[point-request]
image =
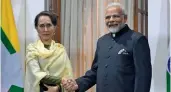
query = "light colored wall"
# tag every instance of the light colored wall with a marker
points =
(159, 31)
(24, 13)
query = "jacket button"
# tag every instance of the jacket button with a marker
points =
(106, 65)
(107, 57)
(110, 47)
(105, 75)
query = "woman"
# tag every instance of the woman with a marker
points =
(46, 61)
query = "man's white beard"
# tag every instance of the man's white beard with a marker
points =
(116, 29)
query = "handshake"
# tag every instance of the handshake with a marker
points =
(69, 84)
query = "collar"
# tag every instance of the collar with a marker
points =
(122, 31)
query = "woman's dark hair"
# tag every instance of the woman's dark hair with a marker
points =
(51, 15)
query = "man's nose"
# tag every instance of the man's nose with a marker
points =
(111, 18)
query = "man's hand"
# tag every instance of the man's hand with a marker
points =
(69, 84)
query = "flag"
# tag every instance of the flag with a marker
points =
(9, 35)
(168, 73)
(11, 67)
(168, 82)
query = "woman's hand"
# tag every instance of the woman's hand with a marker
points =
(52, 88)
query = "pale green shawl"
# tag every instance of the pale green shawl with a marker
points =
(41, 62)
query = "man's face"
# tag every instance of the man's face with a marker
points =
(114, 19)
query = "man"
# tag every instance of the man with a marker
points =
(122, 59)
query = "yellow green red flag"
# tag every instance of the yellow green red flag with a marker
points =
(9, 36)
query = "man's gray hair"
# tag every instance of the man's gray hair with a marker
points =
(117, 4)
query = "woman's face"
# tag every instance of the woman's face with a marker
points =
(45, 28)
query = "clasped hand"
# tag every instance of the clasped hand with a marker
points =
(69, 84)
